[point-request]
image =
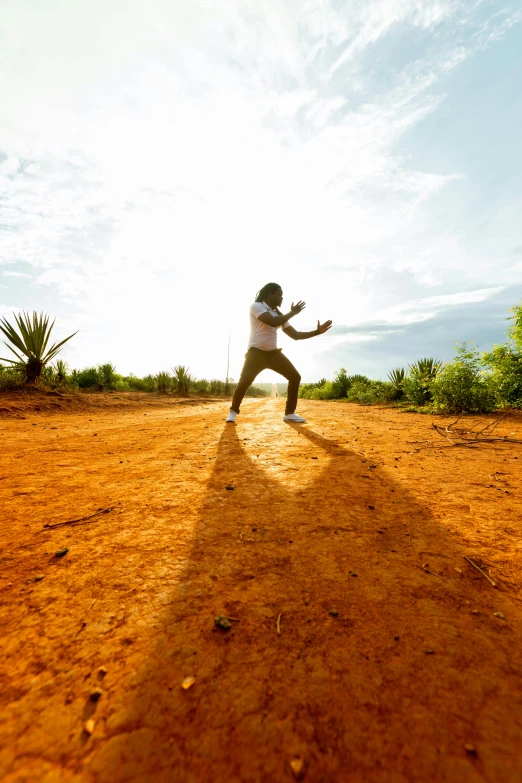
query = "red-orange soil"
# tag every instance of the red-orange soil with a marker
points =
(381, 671)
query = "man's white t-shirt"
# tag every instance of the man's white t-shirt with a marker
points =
(262, 335)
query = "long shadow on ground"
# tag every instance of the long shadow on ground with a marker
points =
(380, 671)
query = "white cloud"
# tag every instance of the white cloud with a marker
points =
(164, 160)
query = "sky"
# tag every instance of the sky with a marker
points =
(160, 161)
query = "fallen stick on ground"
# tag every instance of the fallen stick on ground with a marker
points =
(80, 519)
(459, 437)
(470, 561)
(278, 624)
(427, 571)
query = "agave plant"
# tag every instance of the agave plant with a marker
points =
(397, 378)
(426, 368)
(163, 382)
(357, 379)
(61, 371)
(183, 379)
(32, 353)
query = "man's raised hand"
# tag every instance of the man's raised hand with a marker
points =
(296, 308)
(322, 328)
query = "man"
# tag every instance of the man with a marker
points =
(263, 354)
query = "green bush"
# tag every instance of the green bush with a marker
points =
(200, 386)
(135, 384)
(341, 384)
(462, 386)
(255, 391)
(163, 382)
(515, 330)
(216, 386)
(417, 384)
(417, 389)
(88, 378)
(11, 378)
(305, 389)
(327, 391)
(397, 378)
(505, 364)
(370, 392)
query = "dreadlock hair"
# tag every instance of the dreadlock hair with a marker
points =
(267, 289)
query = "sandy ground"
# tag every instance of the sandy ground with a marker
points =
(381, 671)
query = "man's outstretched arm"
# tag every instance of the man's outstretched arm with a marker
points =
(295, 335)
(279, 320)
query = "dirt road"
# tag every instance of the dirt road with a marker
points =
(363, 647)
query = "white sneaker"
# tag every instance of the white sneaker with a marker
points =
(232, 416)
(294, 417)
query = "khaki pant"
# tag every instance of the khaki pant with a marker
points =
(256, 361)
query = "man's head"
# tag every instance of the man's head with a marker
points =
(272, 294)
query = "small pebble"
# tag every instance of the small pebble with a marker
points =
(88, 726)
(229, 487)
(39, 577)
(499, 614)
(187, 683)
(223, 623)
(96, 694)
(297, 766)
(334, 612)
(470, 749)
(61, 552)
(371, 507)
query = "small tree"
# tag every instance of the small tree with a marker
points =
(461, 386)
(32, 353)
(505, 364)
(515, 330)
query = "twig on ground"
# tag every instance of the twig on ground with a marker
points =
(47, 526)
(427, 571)
(470, 561)
(459, 437)
(278, 624)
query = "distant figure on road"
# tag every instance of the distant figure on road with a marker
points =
(263, 353)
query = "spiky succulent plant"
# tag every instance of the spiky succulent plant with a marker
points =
(31, 343)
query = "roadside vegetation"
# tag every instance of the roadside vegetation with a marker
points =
(473, 382)
(33, 367)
